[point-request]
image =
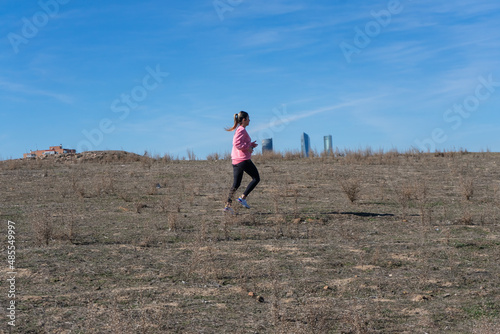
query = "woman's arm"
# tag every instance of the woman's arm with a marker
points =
(242, 140)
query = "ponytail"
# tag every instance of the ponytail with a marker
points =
(238, 118)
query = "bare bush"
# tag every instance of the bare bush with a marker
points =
(406, 193)
(466, 218)
(467, 188)
(191, 155)
(167, 158)
(42, 225)
(351, 188)
(172, 219)
(279, 221)
(108, 185)
(77, 186)
(213, 157)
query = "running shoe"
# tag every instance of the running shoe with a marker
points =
(243, 202)
(229, 209)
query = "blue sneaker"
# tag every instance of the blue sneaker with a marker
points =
(243, 202)
(229, 209)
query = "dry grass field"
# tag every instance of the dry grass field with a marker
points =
(360, 242)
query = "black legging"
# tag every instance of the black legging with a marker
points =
(248, 167)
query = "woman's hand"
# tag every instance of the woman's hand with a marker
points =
(254, 144)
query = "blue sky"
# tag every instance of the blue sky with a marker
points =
(167, 76)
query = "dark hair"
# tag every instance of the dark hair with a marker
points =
(238, 118)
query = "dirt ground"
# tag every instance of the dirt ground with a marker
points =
(356, 243)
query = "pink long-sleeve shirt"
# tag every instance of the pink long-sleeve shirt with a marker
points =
(241, 145)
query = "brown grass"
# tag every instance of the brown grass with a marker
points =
(99, 251)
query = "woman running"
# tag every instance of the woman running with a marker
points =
(240, 156)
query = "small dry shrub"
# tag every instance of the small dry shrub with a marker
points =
(466, 218)
(467, 188)
(68, 216)
(42, 225)
(409, 192)
(213, 157)
(104, 186)
(351, 188)
(71, 227)
(166, 158)
(77, 186)
(314, 153)
(191, 155)
(172, 219)
(279, 221)
(107, 185)
(406, 193)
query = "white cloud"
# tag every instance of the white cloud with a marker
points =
(309, 113)
(29, 91)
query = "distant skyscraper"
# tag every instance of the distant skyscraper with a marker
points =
(267, 145)
(305, 145)
(328, 144)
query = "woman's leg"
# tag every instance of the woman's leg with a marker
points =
(237, 177)
(250, 169)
